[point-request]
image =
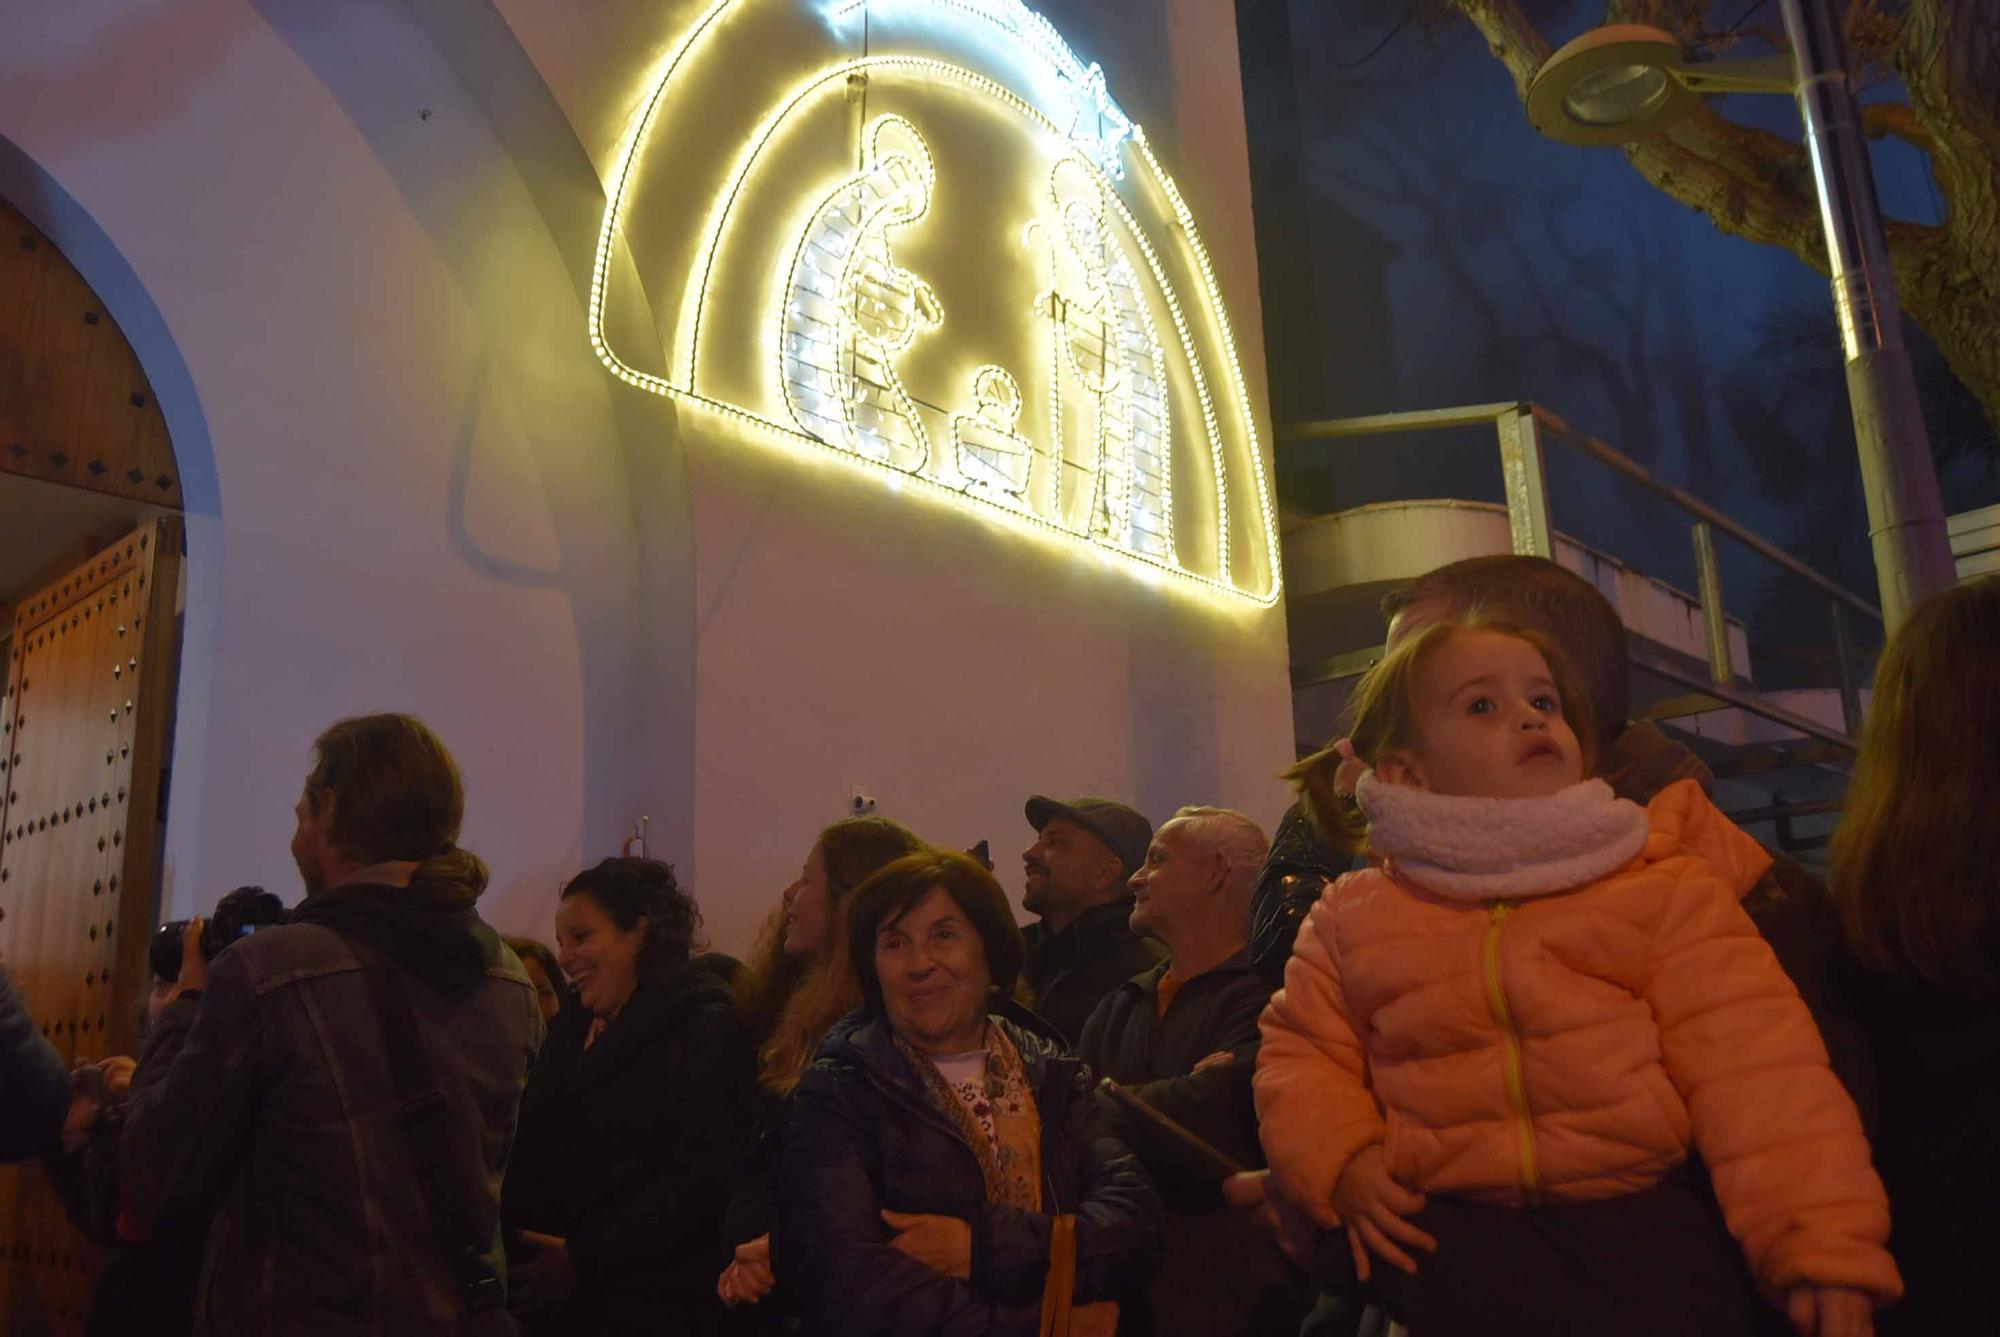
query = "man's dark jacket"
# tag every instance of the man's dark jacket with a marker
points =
(1222, 1273)
(1066, 974)
(626, 1152)
(34, 1084)
(864, 1136)
(272, 1093)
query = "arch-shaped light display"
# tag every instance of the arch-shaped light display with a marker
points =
(921, 235)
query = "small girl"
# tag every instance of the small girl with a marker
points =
(1501, 1042)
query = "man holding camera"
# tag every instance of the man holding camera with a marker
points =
(345, 1085)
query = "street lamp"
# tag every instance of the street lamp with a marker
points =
(1627, 82)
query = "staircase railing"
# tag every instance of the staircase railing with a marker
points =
(1522, 427)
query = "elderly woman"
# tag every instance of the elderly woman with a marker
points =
(632, 1117)
(946, 1171)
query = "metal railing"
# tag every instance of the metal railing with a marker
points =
(1522, 427)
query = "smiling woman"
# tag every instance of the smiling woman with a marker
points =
(636, 1110)
(945, 1170)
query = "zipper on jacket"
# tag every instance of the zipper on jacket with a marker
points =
(1510, 1044)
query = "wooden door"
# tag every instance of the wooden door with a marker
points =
(83, 750)
(75, 405)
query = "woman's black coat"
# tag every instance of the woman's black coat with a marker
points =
(625, 1150)
(863, 1136)
(1937, 1146)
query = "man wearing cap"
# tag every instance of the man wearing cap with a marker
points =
(1085, 850)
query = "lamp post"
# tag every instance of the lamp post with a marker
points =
(1625, 82)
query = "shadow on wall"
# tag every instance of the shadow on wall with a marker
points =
(512, 204)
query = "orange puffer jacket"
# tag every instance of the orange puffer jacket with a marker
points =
(1564, 1045)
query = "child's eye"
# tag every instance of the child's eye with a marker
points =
(1547, 703)
(1480, 705)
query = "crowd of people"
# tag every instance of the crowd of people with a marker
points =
(1508, 1030)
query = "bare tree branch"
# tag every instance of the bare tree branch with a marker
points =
(1896, 121)
(1513, 40)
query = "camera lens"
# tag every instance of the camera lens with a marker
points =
(163, 953)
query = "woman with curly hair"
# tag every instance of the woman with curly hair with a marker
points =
(632, 1119)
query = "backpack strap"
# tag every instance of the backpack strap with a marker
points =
(428, 1132)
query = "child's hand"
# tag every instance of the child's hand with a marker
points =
(1373, 1206)
(1830, 1311)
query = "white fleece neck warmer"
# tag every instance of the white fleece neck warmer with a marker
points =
(1484, 849)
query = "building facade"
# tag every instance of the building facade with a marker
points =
(711, 411)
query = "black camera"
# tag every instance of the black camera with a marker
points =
(237, 915)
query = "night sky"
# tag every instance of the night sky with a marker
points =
(1420, 245)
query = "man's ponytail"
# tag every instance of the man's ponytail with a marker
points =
(453, 875)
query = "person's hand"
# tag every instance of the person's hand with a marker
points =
(1295, 1230)
(86, 1103)
(1375, 1208)
(1221, 1058)
(548, 1276)
(1830, 1311)
(748, 1279)
(118, 1070)
(194, 965)
(1348, 774)
(941, 1243)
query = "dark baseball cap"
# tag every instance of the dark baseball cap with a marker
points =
(1127, 833)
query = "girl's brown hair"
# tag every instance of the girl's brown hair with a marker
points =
(1382, 714)
(792, 1003)
(1916, 861)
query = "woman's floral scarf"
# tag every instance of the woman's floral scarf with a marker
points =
(997, 1117)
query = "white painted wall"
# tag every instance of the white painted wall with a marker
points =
(412, 485)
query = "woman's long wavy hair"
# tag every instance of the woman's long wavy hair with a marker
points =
(1916, 861)
(791, 1002)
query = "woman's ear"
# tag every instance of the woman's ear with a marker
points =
(1398, 766)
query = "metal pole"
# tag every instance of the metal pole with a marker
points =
(1843, 655)
(1905, 516)
(1526, 480)
(1713, 616)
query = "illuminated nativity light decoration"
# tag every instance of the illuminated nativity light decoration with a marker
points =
(1086, 116)
(903, 233)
